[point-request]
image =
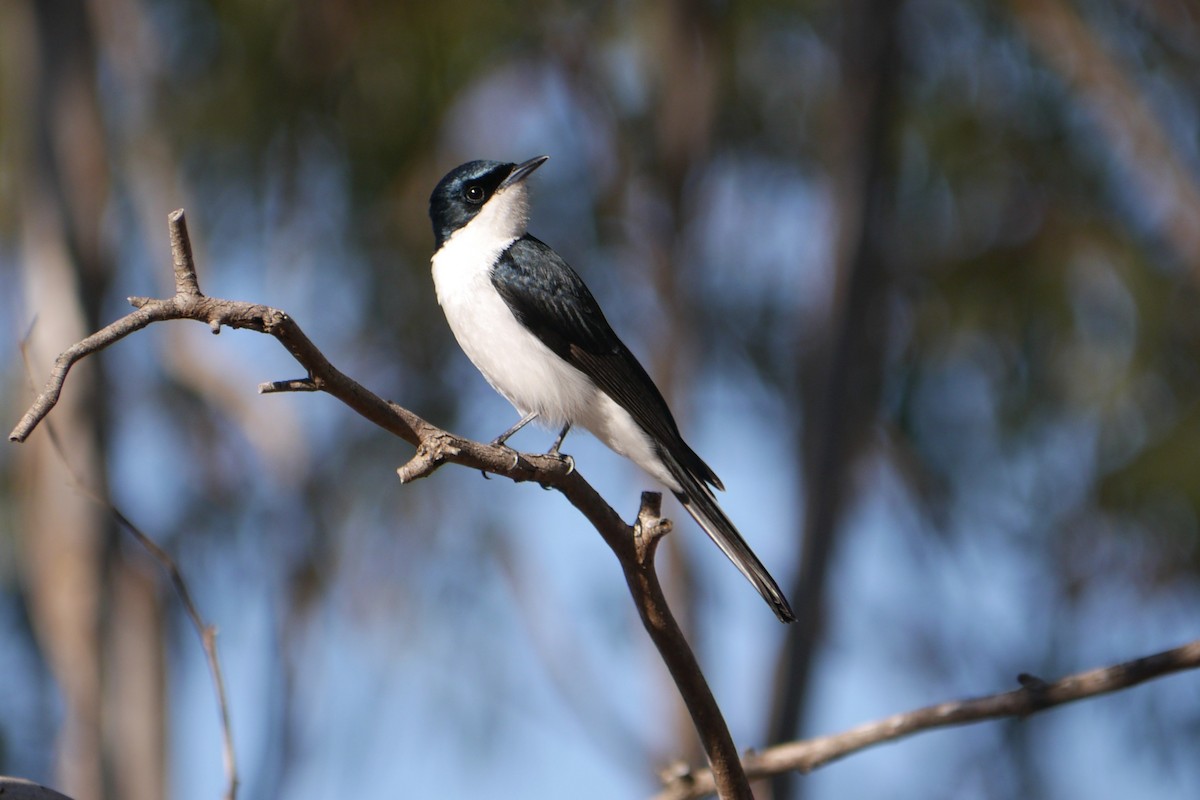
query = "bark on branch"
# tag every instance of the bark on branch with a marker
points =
(1033, 696)
(633, 545)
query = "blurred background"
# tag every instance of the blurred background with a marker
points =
(919, 278)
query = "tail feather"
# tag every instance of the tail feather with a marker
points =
(700, 502)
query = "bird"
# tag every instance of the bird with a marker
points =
(529, 324)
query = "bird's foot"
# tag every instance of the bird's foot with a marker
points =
(564, 458)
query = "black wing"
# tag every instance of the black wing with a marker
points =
(552, 301)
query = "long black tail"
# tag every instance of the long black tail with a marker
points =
(700, 502)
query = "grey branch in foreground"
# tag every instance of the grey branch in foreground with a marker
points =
(20, 789)
(633, 545)
(1033, 696)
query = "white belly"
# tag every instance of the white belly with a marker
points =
(512, 359)
(517, 364)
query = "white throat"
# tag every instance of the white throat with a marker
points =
(502, 220)
(461, 265)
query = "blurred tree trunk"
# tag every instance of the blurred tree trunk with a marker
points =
(841, 384)
(96, 616)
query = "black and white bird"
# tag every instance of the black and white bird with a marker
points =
(530, 325)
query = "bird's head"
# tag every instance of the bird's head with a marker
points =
(482, 194)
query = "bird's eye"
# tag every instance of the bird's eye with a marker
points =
(474, 193)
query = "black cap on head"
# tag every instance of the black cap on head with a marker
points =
(460, 195)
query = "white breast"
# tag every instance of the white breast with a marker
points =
(512, 359)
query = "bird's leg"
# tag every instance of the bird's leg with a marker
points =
(525, 420)
(553, 451)
(502, 438)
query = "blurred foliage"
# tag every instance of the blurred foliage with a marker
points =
(1042, 369)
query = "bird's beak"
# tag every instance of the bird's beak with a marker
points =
(521, 171)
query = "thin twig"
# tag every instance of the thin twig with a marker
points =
(206, 632)
(181, 254)
(1033, 696)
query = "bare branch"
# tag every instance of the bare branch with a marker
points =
(62, 365)
(181, 252)
(726, 765)
(634, 546)
(294, 385)
(650, 527)
(1033, 696)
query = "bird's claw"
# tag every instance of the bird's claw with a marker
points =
(516, 458)
(564, 458)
